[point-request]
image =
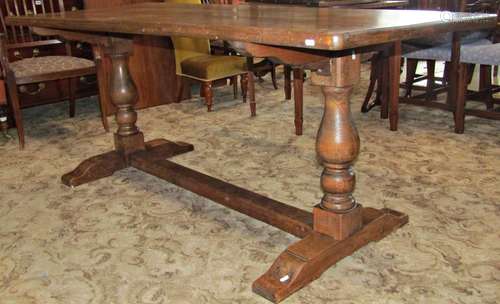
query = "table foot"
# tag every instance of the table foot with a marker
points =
(305, 261)
(105, 165)
(94, 168)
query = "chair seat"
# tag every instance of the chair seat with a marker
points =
(36, 66)
(443, 52)
(482, 54)
(446, 38)
(212, 67)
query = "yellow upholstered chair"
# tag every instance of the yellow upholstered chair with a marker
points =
(194, 61)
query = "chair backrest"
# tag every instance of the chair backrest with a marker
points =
(482, 6)
(187, 47)
(22, 34)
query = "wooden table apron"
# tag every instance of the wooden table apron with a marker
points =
(338, 225)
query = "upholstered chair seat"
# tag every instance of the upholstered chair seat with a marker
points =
(447, 38)
(194, 61)
(486, 54)
(211, 67)
(443, 52)
(31, 67)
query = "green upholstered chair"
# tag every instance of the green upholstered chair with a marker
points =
(194, 61)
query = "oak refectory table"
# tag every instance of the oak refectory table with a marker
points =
(327, 41)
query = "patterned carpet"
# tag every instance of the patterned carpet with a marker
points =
(132, 238)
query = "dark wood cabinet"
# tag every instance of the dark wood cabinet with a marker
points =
(152, 64)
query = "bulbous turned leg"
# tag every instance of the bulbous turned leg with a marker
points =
(337, 145)
(341, 226)
(128, 138)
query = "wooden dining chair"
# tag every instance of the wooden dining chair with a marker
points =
(432, 87)
(20, 74)
(470, 45)
(194, 62)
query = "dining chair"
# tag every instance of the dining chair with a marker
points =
(412, 78)
(440, 49)
(432, 49)
(432, 88)
(486, 56)
(20, 74)
(194, 62)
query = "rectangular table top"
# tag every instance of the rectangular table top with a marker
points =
(303, 27)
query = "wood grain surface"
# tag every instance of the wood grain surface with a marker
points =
(315, 28)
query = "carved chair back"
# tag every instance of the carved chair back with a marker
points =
(18, 42)
(21, 34)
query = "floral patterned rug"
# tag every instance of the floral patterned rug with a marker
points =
(132, 238)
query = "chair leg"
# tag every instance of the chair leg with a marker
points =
(273, 77)
(384, 85)
(72, 99)
(101, 83)
(374, 73)
(288, 82)
(298, 96)
(208, 94)
(485, 86)
(244, 86)
(16, 110)
(180, 89)
(461, 92)
(251, 92)
(470, 72)
(446, 73)
(495, 71)
(411, 72)
(431, 80)
(393, 85)
(234, 80)
(104, 117)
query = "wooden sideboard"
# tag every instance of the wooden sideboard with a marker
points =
(152, 64)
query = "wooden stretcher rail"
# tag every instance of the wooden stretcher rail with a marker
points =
(287, 218)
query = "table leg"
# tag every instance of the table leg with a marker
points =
(337, 227)
(128, 139)
(288, 82)
(340, 224)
